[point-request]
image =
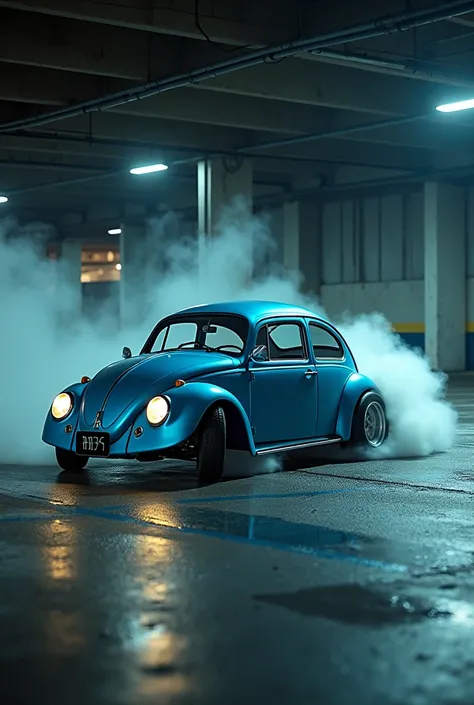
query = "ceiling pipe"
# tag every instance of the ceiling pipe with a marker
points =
(384, 25)
(408, 67)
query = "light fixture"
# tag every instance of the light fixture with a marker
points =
(3, 199)
(115, 231)
(118, 266)
(454, 107)
(149, 169)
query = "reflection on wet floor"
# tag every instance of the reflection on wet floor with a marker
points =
(259, 530)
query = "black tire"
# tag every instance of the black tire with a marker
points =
(211, 446)
(371, 404)
(69, 461)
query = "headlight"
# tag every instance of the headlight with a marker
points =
(157, 410)
(61, 406)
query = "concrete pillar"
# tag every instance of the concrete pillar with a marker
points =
(69, 279)
(445, 276)
(133, 258)
(302, 242)
(221, 183)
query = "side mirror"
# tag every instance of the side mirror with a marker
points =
(126, 353)
(259, 353)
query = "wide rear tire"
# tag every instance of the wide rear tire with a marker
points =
(211, 447)
(69, 461)
(369, 425)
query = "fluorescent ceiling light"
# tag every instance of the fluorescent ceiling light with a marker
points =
(148, 169)
(453, 107)
(115, 231)
(3, 199)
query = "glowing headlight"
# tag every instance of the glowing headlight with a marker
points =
(61, 406)
(157, 410)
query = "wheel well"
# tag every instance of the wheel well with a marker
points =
(237, 438)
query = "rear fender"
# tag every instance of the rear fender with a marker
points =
(355, 387)
(54, 432)
(188, 405)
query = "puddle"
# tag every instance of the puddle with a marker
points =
(270, 529)
(273, 532)
(355, 604)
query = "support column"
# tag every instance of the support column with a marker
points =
(222, 182)
(70, 287)
(445, 276)
(133, 258)
(302, 242)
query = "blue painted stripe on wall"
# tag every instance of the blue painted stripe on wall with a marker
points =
(417, 340)
(470, 351)
(414, 340)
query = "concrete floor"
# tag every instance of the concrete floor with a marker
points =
(346, 583)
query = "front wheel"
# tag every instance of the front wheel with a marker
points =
(369, 425)
(212, 447)
(69, 461)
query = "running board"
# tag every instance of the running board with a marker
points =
(298, 446)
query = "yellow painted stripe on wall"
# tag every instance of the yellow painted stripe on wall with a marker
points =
(420, 327)
(408, 327)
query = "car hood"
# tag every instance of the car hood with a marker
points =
(122, 385)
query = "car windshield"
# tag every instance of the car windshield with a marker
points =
(227, 334)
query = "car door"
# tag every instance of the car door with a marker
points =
(333, 372)
(284, 386)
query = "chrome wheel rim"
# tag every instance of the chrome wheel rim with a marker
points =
(375, 424)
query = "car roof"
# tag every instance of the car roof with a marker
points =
(253, 310)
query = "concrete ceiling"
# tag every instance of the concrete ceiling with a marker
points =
(322, 96)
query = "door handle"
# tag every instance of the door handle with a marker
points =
(310, 373)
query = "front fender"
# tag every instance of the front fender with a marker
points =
(354, 388)
(188, 404)
(54, 432)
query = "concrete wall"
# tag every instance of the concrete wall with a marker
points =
(373, 260)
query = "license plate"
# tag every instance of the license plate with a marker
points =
(92, 444)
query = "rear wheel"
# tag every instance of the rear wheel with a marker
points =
(69, 461)
(211, 447)
(369, 425)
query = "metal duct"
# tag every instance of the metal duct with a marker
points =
(375, 28)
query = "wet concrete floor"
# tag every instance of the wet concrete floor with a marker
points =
(342, 583)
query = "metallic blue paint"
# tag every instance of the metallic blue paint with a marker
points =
(266, 403)
(188, 406)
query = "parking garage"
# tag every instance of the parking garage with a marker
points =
(158, 156)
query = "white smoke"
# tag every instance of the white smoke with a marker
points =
(47, 344)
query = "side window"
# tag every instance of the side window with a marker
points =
(286, 341)
(325, 345)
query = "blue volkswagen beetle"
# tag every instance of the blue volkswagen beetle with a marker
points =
(256, 376)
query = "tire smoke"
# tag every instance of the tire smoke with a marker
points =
(47, 343)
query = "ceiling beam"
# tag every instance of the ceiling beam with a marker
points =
(172, 132)
(273, 53)
(328, 85)
(295, 80)
(47, 87)
(52, 88)
(124, 152)
(237, 24)
(465, 20)
(249, 23)
(67, 45)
